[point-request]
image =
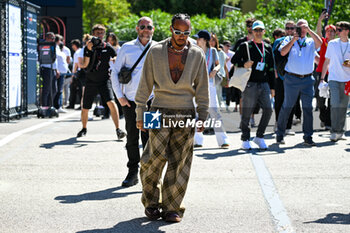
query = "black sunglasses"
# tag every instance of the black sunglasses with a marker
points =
(149, 27)
(249, 25)
(290, 28)
(339, 29)
(258, 30)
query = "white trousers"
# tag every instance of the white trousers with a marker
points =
(214, 113)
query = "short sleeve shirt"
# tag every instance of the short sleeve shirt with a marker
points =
(338, 72)
(100, 72)
(322, 54)
(301, 58)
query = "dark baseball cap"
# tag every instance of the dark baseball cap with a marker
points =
(203, 34)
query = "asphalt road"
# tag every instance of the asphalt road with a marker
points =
(51, 181)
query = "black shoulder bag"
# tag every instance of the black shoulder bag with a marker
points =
(280, 61)
(124, 75)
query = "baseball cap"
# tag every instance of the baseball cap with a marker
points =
(330, 27)
(258, 24)
(226, 42)
(203, 34)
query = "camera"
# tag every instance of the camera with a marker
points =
(96, 42)
(324, 10)
(298, 30)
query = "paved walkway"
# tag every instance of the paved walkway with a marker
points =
(51, 181)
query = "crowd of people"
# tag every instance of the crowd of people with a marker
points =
(185, 77)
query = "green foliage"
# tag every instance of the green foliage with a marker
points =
(211, 8)
(274, 14)
(103, 12)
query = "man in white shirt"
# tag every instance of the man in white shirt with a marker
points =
(338, 62)
(75, 84)
(232, 93)
(62, 67)
(65, 49)
(298, 79)
(127, 56)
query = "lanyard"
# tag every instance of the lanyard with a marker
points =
(261, 53)
(341, 49)
(208, 58)
(303, 44)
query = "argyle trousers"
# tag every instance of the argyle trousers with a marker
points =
(174, 147)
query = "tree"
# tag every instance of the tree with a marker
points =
(103, 12)
(211, 8)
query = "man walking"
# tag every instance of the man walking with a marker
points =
(177, 71)
(128, 54)
(338, 62)
(259, 86)
(298, 79)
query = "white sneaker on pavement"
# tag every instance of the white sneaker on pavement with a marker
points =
(60, 110)
(290, 132)
(260, 142)
(246, 145)
(333, 137)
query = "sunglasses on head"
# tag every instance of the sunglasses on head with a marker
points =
(290, 28)
(249, 25)
(149, 27)
(258, 30)
(178, 32)
(339, 29)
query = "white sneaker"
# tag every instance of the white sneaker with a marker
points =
(333, 137)
(290, 132)
(60, 110)
(260, 142)
(339, 136)
(246, 145)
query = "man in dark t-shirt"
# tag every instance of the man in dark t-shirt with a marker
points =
(97, 55)
(259, 86)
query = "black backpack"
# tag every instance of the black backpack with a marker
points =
(280, 61)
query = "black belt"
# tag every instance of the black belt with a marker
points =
(298, 75)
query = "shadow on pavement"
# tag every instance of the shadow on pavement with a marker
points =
(95, 196)
(227, 153)
(71, 141)
(135, 225)
(333, 218)
(276, 147)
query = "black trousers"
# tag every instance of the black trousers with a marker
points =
(325, 111)
(76, 88)
(233, 94)
(279, 98)
(132, 138)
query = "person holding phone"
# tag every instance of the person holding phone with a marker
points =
(298, 79)
(325, 110)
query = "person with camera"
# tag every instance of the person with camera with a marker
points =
(125, 89)
(97, 55)
(298, 79)
(176, 70)
(259, 86)
(337, 62)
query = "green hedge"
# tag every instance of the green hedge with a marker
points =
(274, 14)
